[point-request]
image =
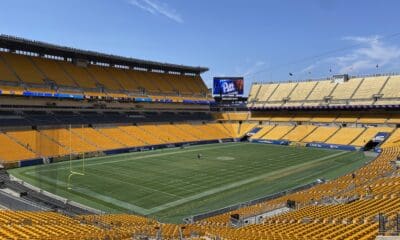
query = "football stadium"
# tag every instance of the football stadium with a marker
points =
(96, 145)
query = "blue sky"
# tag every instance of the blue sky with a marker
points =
(259, 39)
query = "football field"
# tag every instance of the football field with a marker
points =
(171, 184)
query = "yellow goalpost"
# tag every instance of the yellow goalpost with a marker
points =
(72, 172)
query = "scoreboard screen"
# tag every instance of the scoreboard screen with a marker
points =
(228, 86)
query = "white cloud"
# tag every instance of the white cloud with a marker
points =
(156, 8)
(309, 68)
(253, 69)
(369, 52)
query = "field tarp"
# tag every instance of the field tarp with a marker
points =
(332, 146)
(267, 141)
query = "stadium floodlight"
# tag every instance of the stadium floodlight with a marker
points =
(71, 171)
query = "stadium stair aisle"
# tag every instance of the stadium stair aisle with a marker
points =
(104, 78)
(321, 90)
(302, 90)
(369, 87)
(264, 130)
(117, 135)
(160, 132)
(54, 72)
(299, 132)
(69, 140)
(196, 130)
(190, 130)
(79, 74)
(345, 135)
(39, 142)
(277, 132)
(391, 88)
(232, 128)
(19, 152)
(7, 73)
(265, 91)
(282, 91)
(23, 67)
(140, 79)
(94, 137)
(368, 134)
(245, 128)
(346, 89)
(142, 135)
(184, 135)
(122, 77)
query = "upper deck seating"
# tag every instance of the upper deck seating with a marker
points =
(355, 92)
(302, 90)
(369, 87)
(346, 89)
(47, 75)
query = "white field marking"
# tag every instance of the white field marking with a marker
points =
(110, 161)
(206, 193)
(225, 158)
(216, 178)
(239, 183)
(60, 183)
(166, 184)
(102, 197)
(144, 211)
(112, 200)
(132, 184)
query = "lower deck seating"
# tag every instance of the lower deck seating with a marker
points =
(56, 142)
(368, 134)
(393, 140)
(300, 132)
(238, 130)
(38, 142)
(355, 136)
(321, 134)
(69, 140)
(263, 130)
(345, 135)
(18, 151)
(277, 132)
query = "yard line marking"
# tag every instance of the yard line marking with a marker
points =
(133, 184)
(108, 160)
(107, 199)
(113, 201)
(240, 183)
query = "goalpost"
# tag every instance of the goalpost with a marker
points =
(72, 172)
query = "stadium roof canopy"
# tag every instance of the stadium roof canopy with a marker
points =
(22, 44)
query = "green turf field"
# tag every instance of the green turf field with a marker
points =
(171, 184)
